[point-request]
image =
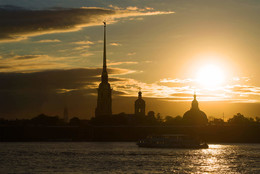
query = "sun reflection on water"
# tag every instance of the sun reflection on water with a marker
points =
(212, 159)
(215, 146)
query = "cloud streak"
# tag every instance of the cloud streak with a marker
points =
(84, 42)
(115, 44)
(29, 63)
(19, 24)
(120, 63)
(48, 41)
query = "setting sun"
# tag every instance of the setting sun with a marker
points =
(210, 76)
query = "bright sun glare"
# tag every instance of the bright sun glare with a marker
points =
(210, 76)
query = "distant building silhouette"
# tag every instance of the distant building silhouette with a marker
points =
(140, 105)
(104, 101)
(66, 114)
(195, 116)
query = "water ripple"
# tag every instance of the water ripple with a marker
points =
(126, 158)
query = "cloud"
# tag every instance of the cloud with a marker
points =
(28, 94)
(176, 82)
(84, 42)
(120, 63)
(87, 54)
(55, 79)
(24, 57)
(168, 80)
(115, 44)
(82, 47)
(31, 93)
(166, 88)
(183, 90)
(115, 7)
(132, 8)
(244, 90)
(131, 54)
(136, 18)
(36, 63)
(19, 24)
(28, 63)
(48, 41)
(149, 8)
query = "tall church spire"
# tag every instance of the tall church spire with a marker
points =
(104, 100)
(104, 77)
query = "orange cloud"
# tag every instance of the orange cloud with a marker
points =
(84, 42)
(48, 40)
(115, 44)
(120, 63)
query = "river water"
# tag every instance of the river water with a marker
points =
(118, 157)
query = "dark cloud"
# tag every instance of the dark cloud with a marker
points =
(28, 57)
(27, 94)
(5, 67)
(17, 23)
(53, 79)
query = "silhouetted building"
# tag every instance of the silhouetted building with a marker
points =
(140, 105)
(66, 114)
(104, 101)
(46, 120)
(195, 116)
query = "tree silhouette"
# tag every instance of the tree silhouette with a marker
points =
(240, 119)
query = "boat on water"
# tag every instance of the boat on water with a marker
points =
(172, 141)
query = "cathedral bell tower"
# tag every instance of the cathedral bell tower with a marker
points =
(140, 105)
(104, 101)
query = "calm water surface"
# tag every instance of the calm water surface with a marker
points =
(113, 157)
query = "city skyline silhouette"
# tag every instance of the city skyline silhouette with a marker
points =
(129, 86)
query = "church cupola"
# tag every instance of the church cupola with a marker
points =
(140, 105)
(194, 104)
(139, 94)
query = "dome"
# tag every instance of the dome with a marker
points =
(195, 116)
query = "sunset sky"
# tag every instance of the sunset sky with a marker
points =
(51, 56)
